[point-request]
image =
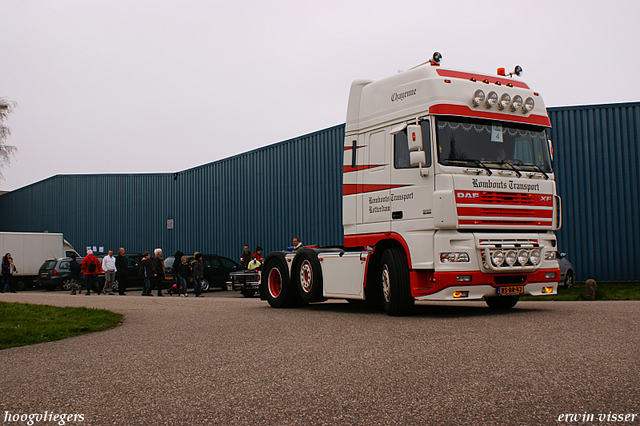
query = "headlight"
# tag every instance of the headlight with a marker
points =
(550, 255)
(505, 100)
(528, 105)
(510, 258)
(523, 257)
(492, 99)
(517, 102)
(478, 97)
(497, 257)
(454, 257)
(534, 257)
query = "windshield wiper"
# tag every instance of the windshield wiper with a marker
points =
(504, 163)
(484, 166)
(535, 166)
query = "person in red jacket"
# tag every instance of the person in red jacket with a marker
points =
(91, 267)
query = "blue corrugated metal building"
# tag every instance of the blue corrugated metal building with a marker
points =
(214, 208)
(597, 165)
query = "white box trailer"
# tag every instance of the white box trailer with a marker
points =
(29, 250)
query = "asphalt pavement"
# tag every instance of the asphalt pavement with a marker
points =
(227, 360)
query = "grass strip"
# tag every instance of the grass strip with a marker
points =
(24, 324)
(603, 292)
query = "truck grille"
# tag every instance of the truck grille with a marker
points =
(486, 208)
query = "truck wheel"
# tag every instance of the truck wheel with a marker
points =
(309, 277)
(66, 284)
(396, 286)
(20, 285)
(247, 292)
(277, 288)
(502, 302)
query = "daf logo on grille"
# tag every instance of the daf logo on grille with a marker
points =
(468, 195)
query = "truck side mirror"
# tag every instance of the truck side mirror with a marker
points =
(414, 138)
(417, 158)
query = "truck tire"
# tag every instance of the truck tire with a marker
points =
(277, 286)
(501, 302)
(309, 277)
(20, 285)
(396, 286)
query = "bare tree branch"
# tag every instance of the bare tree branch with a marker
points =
(6, 151)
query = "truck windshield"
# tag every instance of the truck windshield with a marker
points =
(469, 142)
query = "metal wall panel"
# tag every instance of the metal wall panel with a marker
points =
(294, 188)
(597, 163)
(262, 197)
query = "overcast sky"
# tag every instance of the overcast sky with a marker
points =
(129, 86)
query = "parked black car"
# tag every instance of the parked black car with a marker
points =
(55, 273)
(133, 260)
(216, 271)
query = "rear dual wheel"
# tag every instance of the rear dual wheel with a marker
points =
(310, 278)
(278, 290)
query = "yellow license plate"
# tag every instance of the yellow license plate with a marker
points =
(512, 289)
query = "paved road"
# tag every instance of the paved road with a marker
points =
(226, 360)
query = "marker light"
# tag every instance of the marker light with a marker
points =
(550, 276)
(505, 100)
(459, 294)
(478, 97)
(492, 99)
(454, 257)
(523, 257)
(528, 105)
(517, 103)
(510, 258)
(547, 290)
(464, 278)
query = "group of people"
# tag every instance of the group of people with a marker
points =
(183, 271)
(250, 260)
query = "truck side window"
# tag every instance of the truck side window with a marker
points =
(401, 150)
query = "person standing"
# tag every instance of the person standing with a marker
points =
(258, 254)
(109, 268)
(245, 257)
(74, 274)
(158, 270)
(146, 273)
(184, 273)
(176, 275)
(90, 267)
(297, 244)
(198, 271)
(122, 272)
(8, 268)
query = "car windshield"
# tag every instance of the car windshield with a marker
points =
(470, 142)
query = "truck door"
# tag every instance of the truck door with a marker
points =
(412, 192)
(375, 173)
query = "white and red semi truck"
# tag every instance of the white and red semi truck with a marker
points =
(448, 194)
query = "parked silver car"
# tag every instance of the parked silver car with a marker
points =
(567, 276)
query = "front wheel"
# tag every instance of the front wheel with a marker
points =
(502, 302)
(396, 286)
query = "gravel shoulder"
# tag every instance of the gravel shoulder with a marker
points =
(227, 360)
